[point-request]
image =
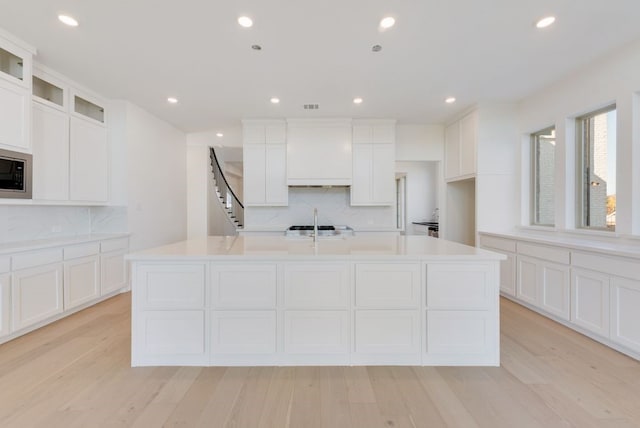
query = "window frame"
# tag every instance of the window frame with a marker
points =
(534, 140)
(583, 173)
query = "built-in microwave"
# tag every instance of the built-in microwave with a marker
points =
(15, 174)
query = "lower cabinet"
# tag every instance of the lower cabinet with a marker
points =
(113, 273)
(590, 301)
(625, 312)
(316, 332)
(81, 281)
(461, 333)
(387, 332)
(5, 304)
(243, 332)
(544, 284)
(37, 294)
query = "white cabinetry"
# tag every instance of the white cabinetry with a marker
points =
(113, 273)
(71, 156)
(508, 266)
(373, 163)
(172, 325)
(265, 163)
(5, 304)
(319, 152)
(625, 313)
(590, 301)
(81, 274)
(460, 148)
(50, 153)
(15, 95)
(37, 294)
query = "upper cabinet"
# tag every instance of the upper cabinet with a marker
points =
(460, 148)
(373, 163)
(70, 147)
(319, 152)
(15, 95)
(265, 163)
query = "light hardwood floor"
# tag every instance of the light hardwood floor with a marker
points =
(75, 373)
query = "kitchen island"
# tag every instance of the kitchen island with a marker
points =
(271, 300)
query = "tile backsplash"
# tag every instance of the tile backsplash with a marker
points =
(333, 205)
(29, 222)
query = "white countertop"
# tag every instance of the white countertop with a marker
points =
(279, 247)
(39, 244)
(610, 246)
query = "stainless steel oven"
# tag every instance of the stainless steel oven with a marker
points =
(15, 174)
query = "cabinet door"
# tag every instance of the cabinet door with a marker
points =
(316, 285)
(554, 289)
(508, 274)
(113, 272)
(452, 151)
(316, 332)
(387, 332)
(468, 144)
(625, 313)
(383, 187)
(89, 161)
(362, 164)
(243, 286)
(81, 281)
(243, 332)
(527, 280)
(15, 114)
(386, 285)
(463, 337)
(36, 294)
(170, 286)
(50, 154)
(590, 301)
(276, 189)
(254, 167)
(5, 305)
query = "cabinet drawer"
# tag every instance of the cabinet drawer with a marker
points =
(114, 244)
(495, 243)
(176, 333)
(243, 286)
(316, 332)
(171, 286)
(387, 332)
(243, 332)
(316, 285)
(552, 254)
(460, 333)
(460, 286)
(619, 266)
(36, 258)
(83, 250)
(388, 285)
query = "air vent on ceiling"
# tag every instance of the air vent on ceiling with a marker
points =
(311, 106)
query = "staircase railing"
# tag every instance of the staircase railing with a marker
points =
(227, 197)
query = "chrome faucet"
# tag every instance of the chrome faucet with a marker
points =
(315, 224)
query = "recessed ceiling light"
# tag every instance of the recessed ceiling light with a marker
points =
(245, 21)
(387, 22)
(357, 100)
(450, 100)
(219, 135)
(376, 48)
(275, 100)
(545, 22)
(68, 20)
(172, 100)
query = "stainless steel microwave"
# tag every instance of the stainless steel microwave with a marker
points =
(15, 174)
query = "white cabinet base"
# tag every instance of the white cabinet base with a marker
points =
(36, 294)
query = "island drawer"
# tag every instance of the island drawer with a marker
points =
(387, 285)
(243, 332)
(169, 286)
(246, 286)
(316, 285)
(460, 286)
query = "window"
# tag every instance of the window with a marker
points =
(543, 147)
(596, 144)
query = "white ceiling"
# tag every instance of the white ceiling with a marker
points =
(317, 52)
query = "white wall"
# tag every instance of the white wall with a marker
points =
(198, 167)
(156, 178)
(614, 78)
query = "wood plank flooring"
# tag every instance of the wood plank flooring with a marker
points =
(75, 373)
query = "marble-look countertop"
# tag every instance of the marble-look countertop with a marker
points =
(39, 244)
(599, 244)
(383, 246)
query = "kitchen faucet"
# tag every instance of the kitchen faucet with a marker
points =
(315, 225)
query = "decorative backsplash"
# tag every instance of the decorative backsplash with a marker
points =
(333, 205)
(25, 222)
